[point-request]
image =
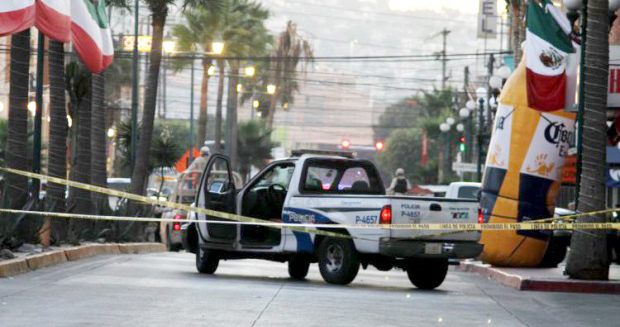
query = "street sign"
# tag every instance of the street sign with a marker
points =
(487, 19)
(465, 167)
(144, 43)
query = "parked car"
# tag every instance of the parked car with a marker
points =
(334, 189)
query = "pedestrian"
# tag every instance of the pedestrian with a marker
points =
(400, 185)
(200, 163)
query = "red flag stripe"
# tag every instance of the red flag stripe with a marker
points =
(545, 93)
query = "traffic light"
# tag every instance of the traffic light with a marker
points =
(379, 145)
(462, 145)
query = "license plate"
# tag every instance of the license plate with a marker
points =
(432, 248)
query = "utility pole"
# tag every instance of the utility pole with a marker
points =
(444, 60)
(470, 127)
(134, 93)
(191, 114)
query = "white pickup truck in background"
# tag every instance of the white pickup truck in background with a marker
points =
(328, 189)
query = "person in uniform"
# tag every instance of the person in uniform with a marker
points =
(200, 163)
(400, 185)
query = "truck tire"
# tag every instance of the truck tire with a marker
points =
(206, 261)
(338, 260)
(555, 253)
(171, 247)
(298, 267)
(426, 274)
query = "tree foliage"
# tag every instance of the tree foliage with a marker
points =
(254, 145)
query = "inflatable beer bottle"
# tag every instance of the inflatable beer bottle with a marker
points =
(529, 145)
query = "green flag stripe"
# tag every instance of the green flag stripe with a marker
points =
(97, 13)
(542, 23)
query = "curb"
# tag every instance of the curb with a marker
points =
(26, 264)
(541, 285)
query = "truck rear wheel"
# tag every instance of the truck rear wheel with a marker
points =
(338, 260)
(206, 261)
(298, 267)
(427, 274)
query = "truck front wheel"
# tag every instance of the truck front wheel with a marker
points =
(426, 274)
(338, 260)
(206, 261)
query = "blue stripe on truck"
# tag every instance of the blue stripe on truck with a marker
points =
(298, 215)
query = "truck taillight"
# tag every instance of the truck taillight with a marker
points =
(480, 216)
(177, 225)
(386, 215)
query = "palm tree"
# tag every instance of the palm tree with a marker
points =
(198, 33)
(290, 48)
(254, 144)
(98, 163)
(16, 187)
(518, 9)
(245, 34)
(78, 83)
(588, 256)
(57, 164)
(159, 13)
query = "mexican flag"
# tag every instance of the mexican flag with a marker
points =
(53, 19)
(91, 34)
(547, 46)
(16, 15)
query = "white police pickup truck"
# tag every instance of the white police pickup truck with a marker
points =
(313, 188)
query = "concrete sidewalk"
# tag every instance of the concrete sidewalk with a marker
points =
(544, 279)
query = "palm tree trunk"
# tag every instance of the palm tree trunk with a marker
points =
(139, 175)
(231, 116)
(518, 30)
(203, 114)
(58, 137)
(16, 187)
(98, 143)
(80, 172)
(588, 256)
(218, 112)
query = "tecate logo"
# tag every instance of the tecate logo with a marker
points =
(556, 133)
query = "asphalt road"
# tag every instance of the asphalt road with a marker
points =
(164, 289)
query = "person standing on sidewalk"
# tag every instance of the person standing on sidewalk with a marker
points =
(400, 185)
(200, 163)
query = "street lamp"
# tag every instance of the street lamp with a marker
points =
(111, 132)
(217, 47)
(239, 88)
(271, 89)
(211, 70)
(504, 72)
(255, 104)
(169, 46)
(32, 107)
(450, 121)
(460, 127)
(249, 71)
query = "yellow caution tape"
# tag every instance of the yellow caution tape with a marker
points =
(541, 224)
(434, 226)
